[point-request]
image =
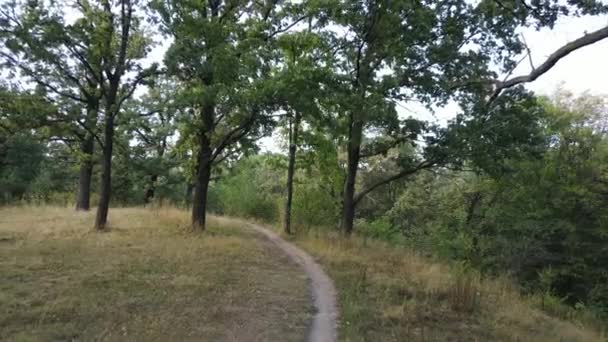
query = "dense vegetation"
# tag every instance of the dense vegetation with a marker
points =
(514, 184)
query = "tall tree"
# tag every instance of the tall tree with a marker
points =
(219, 56)
(123, 43)
(303, 75)
(429, 52)
(62, 58)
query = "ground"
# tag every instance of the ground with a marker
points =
(151, 279)
(147, 279)
(389, 293)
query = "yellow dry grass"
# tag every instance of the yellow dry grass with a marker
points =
(387, 293)
(148, 279)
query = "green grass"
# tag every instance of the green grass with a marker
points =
(147, 279)
(389, 293)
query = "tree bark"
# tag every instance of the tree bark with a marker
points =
(203, 164)
(83, 196)
(293, 142)
(87, 147)
(149, 194)
(203, 175)
(352, 165)
(189, 190)
(106, 174)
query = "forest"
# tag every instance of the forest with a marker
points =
(514, 185)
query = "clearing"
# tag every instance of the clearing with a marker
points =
(147, 279)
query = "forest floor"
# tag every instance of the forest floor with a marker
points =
(147, 279)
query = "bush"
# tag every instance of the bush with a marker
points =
(249, 191)
(314, 207)
(378, 229)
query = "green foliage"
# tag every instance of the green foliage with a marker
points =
(55, 182)
(34, 172)
(20, 159)
(380, 229)
(250, 190)
(313, 206)
(541, 217)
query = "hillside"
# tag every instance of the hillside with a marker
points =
(388, 293)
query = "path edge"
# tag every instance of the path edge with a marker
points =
(324, 325)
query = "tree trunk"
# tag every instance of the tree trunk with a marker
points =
(189, 190)
(83, 196)
(106, 174)
(293, 142)
(87, 147)
(149, 194)
(203, 175)
(352, 165)
(153, 178)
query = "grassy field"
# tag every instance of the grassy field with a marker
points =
(147, 279)
(391, 294)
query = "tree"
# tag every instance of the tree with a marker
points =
(122, 42)
(150, 121)
(219, 56)
(536, 212)
(302, 85)
(64, 60)
(430, 52)
(27, 147)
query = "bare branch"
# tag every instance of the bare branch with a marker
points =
(286, 28)
(555, 57)
(529, 52)
(422, 165)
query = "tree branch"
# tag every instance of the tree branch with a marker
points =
(31, 73)
(422, 165)
(383, 149)
(555, 57)
(93, 133)
(234, 135)
(286, 28)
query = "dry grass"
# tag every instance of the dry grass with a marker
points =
(391, 294)
(147, 279)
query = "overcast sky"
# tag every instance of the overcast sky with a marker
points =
(583, 70)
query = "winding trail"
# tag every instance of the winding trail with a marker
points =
(324, 321)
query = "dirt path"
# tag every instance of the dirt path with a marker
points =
(324, 322)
